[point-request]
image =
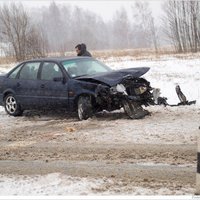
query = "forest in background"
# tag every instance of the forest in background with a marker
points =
(56, 29)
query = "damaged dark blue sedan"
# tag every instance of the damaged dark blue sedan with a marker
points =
(78, 84)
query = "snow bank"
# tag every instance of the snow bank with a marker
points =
(51, 184)
(59, 184)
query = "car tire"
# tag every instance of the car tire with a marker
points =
(12, 106)
(134, 110)
(85, 110)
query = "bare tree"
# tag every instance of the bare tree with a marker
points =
(121, 29)
(52, 23)
(182, 24)
(36, 45)
(143, 23)
(17, 30)
(153, 32)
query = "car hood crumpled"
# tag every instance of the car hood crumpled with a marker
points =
(114, 77)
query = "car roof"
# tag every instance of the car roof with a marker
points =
(58, 59)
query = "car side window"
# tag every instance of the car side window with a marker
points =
(71, 68)
(50, 71)
(13, 74)
(29, 71)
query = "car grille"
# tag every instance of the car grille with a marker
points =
(131, 90)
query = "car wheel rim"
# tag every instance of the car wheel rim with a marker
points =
(11, 104)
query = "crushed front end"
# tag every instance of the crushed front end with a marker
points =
(130, 93)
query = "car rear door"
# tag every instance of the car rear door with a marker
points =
(27, 84)
(53, 88)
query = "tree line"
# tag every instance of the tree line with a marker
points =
(183, 25)
(58, 28)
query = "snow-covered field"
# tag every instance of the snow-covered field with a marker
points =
(164, 73)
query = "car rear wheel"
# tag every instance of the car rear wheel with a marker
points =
(134, 110)
(84, 107)
(11, 105)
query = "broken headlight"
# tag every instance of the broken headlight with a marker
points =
(119, 88)
(140, 90)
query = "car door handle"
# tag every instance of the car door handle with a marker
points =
(18, 85)
(42, 86)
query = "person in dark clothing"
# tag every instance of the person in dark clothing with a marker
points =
(81, 50)
(78, 49)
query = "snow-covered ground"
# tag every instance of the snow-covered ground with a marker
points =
(66, 185)
(164, 73)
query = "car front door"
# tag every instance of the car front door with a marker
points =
(53, 88)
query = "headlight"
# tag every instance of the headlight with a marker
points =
(119, 88)
(140, 90)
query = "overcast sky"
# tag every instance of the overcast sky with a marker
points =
(104, 8)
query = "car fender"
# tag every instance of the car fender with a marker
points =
(84, 93)
(4, 94)
(77, 88)
(8, 91)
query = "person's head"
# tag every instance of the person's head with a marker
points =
(78, 48)
(83, 47)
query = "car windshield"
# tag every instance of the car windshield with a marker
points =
(82, 67)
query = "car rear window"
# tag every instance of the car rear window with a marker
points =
(14, 73)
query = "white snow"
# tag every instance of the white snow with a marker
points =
(43, 185)
(59, 184)
(164, 73)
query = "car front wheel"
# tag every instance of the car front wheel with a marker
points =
(11, 105)
(84, 107)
